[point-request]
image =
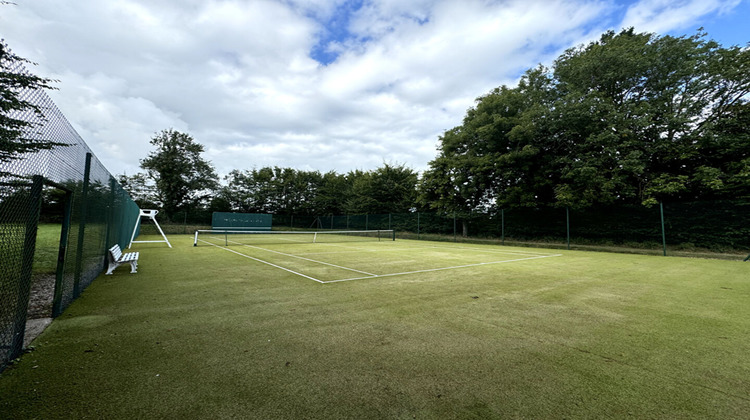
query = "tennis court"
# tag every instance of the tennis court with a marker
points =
(327, 257)
(433, 330)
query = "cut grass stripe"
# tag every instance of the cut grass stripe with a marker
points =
(308, 259)
(441, 268)
(264, 262)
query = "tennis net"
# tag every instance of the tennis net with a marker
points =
(235, 237)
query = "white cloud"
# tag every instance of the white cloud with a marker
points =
(238, 75)
(664, 15)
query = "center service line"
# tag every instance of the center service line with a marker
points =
(264, 262)
(306, 259)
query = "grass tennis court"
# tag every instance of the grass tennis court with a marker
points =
(418, 330)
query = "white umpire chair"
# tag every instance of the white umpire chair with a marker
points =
(151, 214)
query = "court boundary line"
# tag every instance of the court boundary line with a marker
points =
(439, 269)
(264, 262)
(306, 259)
(369, 276)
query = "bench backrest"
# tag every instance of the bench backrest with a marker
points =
(116, 252)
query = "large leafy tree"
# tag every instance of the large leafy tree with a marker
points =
(17, 130)
(387, 189)
(182, 177)
(141, 189)
(631, 117)
(273, 190)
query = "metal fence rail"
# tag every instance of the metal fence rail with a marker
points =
(97, 214)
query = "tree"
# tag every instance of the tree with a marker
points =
(17, 135)
(388, 189)
(629, 118)
(331, 195)
(141, 190)
(182, 177)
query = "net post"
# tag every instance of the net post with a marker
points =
(195, 241)
(393, 234)
(315, 237)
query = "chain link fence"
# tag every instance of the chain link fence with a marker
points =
(98, 213)
(703, 226)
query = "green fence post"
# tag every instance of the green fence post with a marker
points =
(502, 226)
(663, 233)
(82, 227)
(567, 225)
(418, 237)
(24, 282)
(61, 253)
(455, 238)
(110, 220)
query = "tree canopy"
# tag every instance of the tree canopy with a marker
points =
(388, 189)
(630, 118)
(181, 176)
(17, 135)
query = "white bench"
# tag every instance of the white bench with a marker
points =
(116, 257)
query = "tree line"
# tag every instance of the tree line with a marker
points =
(179, 181)
(632, 118)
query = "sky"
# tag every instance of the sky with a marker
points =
(327, 85)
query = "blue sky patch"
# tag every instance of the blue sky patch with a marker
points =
(336, 31)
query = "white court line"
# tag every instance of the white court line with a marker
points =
(306, 259)
(440, 269)
(264, 262)
(489, 250)
(357, 249)
(372, 276)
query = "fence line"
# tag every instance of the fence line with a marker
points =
(97, 214)
(714, 225)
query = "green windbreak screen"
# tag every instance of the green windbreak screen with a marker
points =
(241, 221)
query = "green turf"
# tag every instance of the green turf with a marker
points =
(201, 332)
(47, 248)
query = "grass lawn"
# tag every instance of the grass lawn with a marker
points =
(206, 332)
(47, 248)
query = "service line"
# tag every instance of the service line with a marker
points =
(440, 269)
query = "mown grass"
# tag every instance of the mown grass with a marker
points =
(47, 248)
(204, 333)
